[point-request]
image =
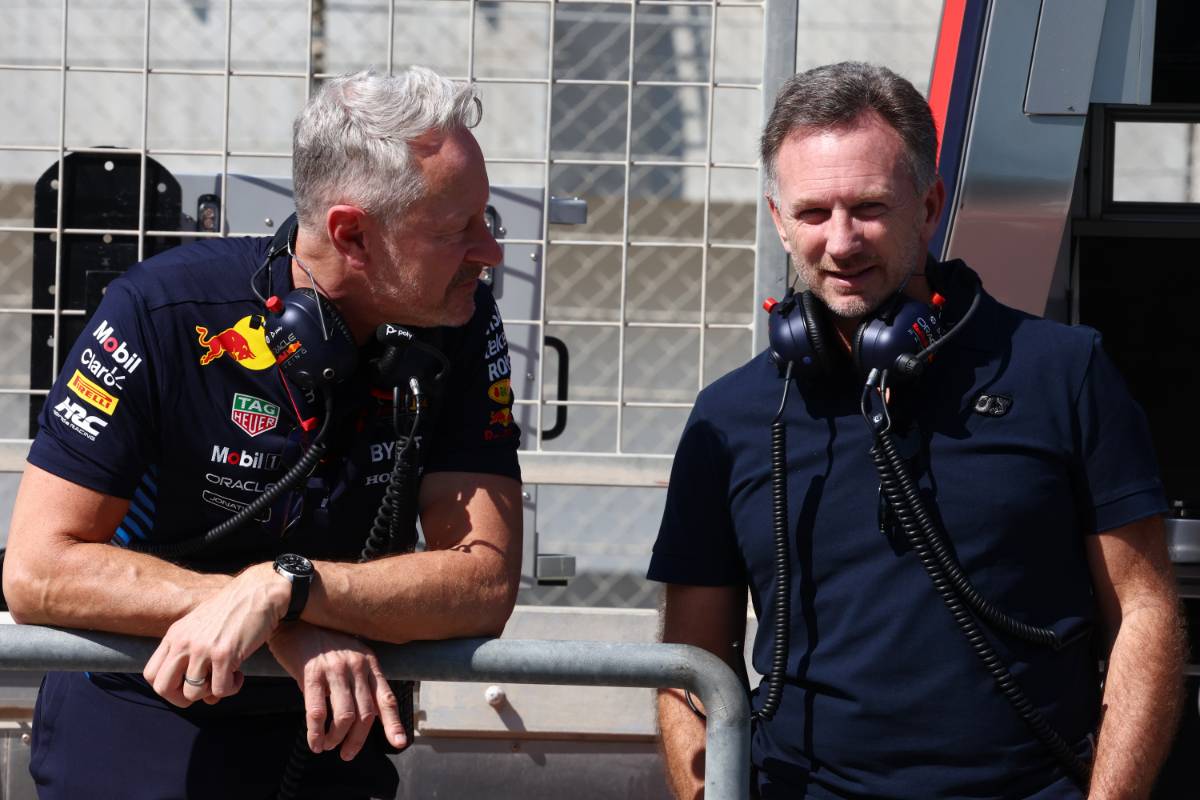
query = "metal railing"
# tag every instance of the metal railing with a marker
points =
(727, 757)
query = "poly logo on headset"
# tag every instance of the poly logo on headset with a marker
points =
(245, 343)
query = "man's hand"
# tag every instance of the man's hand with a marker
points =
(712, 617)
(341, 669)
(200, 655)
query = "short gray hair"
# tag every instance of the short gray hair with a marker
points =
(351, 142)
(835, 96)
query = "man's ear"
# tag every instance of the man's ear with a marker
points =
(347, 227)
(933, 202)
(778, 220)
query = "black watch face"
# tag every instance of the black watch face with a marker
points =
(297, 565)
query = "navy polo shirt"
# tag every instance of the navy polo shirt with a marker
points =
(884, 696)
(171, 398)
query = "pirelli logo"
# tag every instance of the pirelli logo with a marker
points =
(91, 393)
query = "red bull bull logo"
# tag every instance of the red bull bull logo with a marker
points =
(286, 352)
(501, 417)
(245, 343)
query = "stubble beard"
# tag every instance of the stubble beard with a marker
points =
(400, 294)
(469, 273)
(857, 307)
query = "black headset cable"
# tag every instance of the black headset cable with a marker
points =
(914, 364)
(298, 472)
(396, 504)
(781, 589)
(397, 507)
(902, 494)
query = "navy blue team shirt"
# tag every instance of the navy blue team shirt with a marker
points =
(171, 398)
(883, 695)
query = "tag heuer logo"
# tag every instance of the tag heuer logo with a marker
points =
(254, 415)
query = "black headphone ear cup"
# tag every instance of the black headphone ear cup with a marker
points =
(334, 320)
(818, 328)
(856, 347)
(889, 339)
(297, 337)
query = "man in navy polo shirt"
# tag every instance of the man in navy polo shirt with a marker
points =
(171, 416)
(1024, 443)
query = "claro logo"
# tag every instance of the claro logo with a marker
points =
(245, 458)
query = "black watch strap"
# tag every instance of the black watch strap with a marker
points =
(299, 598)
(299, 572)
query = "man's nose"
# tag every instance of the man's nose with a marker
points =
(842, 239)
(486, 250)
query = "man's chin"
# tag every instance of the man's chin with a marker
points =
(460, 314)
(849, 307)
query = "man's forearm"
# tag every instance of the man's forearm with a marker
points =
(437, 594)
(101, 587)
(682, 738)
(1143, 695)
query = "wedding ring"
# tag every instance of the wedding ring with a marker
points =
(195, 681)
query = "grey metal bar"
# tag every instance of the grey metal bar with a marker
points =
(567, 467)
(727, 756)
(779, 62)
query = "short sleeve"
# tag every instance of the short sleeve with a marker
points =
(1119, 466)
(696, 543)
(475, 430)
(101, 416)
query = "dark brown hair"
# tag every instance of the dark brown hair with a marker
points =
(835, 96)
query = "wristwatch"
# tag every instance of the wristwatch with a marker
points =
(299, 571)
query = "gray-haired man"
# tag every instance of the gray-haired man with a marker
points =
(182, 404)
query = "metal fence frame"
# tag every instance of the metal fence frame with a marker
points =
(616, 467)
(727, 757)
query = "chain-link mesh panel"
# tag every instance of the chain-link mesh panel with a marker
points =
(649, 112)
(605, 589)
(609, 530)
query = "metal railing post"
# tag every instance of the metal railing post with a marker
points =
(779, 63)
(727, 760)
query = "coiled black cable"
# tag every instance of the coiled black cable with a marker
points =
(781, 590)
(396, 513)
(298, 760)
(907, 494)
(299, 471)
(900, 491)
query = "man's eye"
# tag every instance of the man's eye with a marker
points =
(870, 209)
(812, 216)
